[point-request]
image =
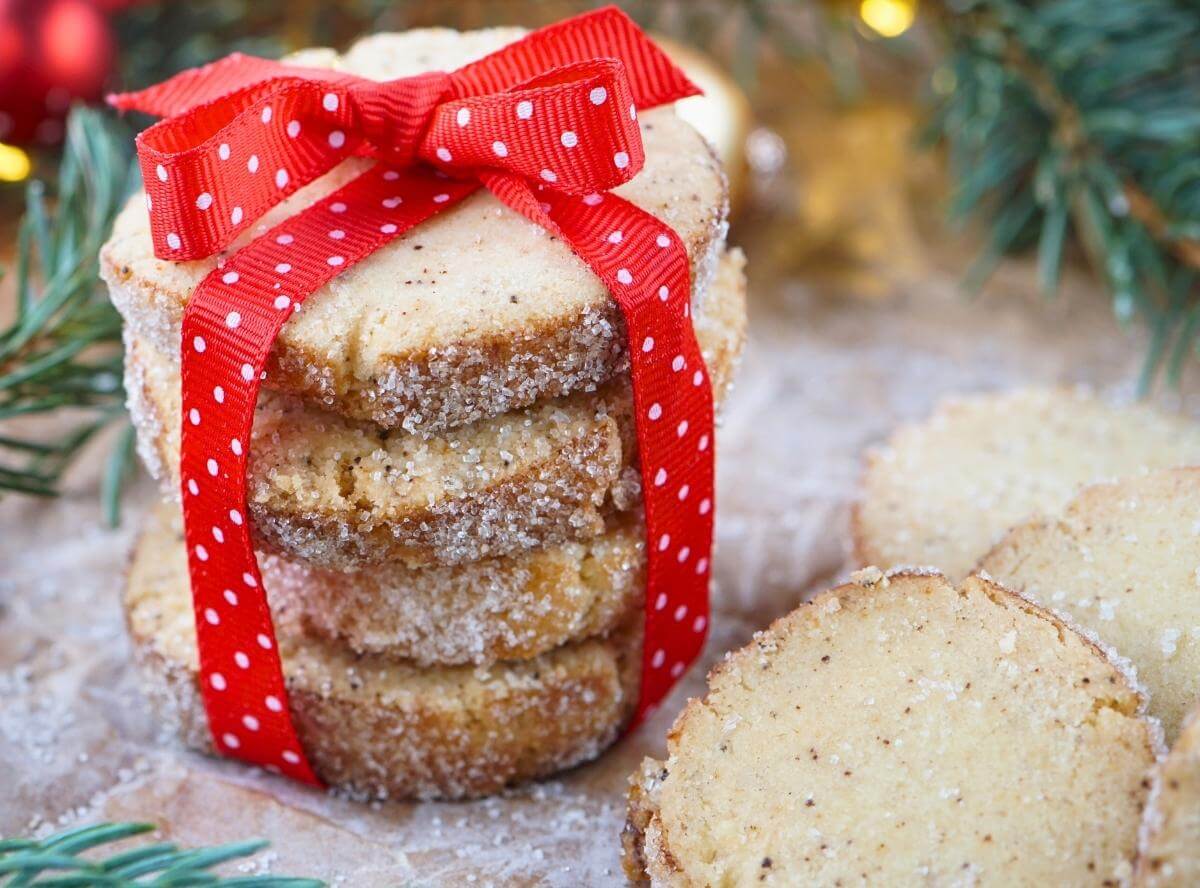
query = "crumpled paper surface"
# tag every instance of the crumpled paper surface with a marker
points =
(834, 361)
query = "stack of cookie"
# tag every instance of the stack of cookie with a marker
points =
(443, 480)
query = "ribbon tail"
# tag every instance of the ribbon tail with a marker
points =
(646, 268)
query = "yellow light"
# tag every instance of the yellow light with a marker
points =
(888, 18)
(14, 163)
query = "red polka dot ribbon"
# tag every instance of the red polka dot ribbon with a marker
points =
(548, 125)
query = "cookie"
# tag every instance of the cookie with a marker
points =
(901, 731)
(1170, 843)
(347, 494)
(942, 492)
(475, 312)
(379, 728)
(1123, 562)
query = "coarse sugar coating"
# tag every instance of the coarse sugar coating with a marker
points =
(472, 313)
(901, 731)
(347, 494)
(943, 491)
(379, 728)
(1170, 845)
(1123, 561)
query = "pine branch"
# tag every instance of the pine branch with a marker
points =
(1072, 121)
(62, 349)
(58, 861)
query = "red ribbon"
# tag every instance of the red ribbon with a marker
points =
(548, 125)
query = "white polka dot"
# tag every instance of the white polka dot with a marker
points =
(615, 237)
(293, 128)
(569, 139)
(162, 173)
(655, 411)
(241, 659)
(250, 722)
(702, 445)
(199, 344)
(236, 517)
(282, 302)
(524, 110)
(499, 149)
(663, 241)
(149, 201)
(263, 641)
(230, 277)
(272, 703)
(235, 445)
(335, 261)
(231, 597)
(284, 240)
(699, 624)
(463, 117)
(194, 416)
(337, 234)
(247, 372)
(683, 554)
(223, 151)
(236, 216)
(680, 613)
(173, 241)
(705, 506)
(203, 200)
(684, 491)
(388, 228)
(648, 344)
(202, 554)
(283, 268)
(663, 542)
(661, 601)
(697, 377)
(681, 429)
(252, 163)
(337, 207)
(218, 534)
(592, 199)
(660, 477)
(621, 159)
(598, 95)
(217, 680)
(624, 277)
(701, 565)
(211, 616)
(232, 320)
(663, 292)
(632, 112)
(212, 466)
(250, 580)
(330, 102)
(549, 175)
(441, 198)
(290, 757)
(677, 670)
(337, 139)
(392, 202)
(230, 741)
(219, 394)
(443, 154)
(193, 487)
(281, 178)
(659, 657)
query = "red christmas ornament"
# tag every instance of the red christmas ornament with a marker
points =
(52, 52)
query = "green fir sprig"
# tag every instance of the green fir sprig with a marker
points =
(1071, 121)
(59, 861)
(60, 353)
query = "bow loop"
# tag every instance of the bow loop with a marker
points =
(572, 128)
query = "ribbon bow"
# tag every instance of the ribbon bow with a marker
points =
(548, 124)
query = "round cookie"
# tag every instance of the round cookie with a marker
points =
(942, 492)
(901, 731)
(378, 728)
(475, 312)
(513, 607)
(1122, 561)
(1170, 842)
(346, 494)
